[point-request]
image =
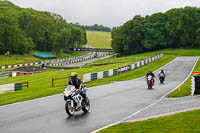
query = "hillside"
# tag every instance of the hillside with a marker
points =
(99, 39)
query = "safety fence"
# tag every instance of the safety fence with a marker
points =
(59, 81)
(13, 87)
(57, 62)
(103, 74)
(72, 60)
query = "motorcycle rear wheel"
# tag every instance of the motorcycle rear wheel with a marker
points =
(86, 107)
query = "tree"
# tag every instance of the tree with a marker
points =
(22, 30)
(177, 28)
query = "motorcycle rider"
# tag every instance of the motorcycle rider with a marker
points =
(152, 74)
(75, 81)
(162, 72)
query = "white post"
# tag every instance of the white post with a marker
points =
(192, 86)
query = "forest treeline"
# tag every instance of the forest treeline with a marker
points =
(94, 27)
(22, 30)
(97, 27)
(176, 28)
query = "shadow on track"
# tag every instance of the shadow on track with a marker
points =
(78, 116)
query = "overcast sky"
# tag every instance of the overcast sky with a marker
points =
(106, 12)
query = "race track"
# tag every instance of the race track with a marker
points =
(109, 103)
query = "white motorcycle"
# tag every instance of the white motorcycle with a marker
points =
(74, 101)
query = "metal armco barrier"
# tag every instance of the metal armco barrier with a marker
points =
(196, 84)
(92, 49)
(99, 75)
(57, 62)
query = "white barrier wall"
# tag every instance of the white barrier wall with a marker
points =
(146, 61)
(153, 58)
(192, 86)
(99, 75)
(150, 60)
(138, 64)
(133, 66)
(7, 88)
(110, 72)
(142, 62)
(87, 77)
(79, 58)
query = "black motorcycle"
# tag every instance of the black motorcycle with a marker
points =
(161, 77)
(150, 82)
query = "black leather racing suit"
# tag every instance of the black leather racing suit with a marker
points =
(78, 85)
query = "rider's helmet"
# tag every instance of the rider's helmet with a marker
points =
(73, 76)
(162, 70)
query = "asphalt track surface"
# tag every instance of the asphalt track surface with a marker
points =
(109, 103)
(168, 105)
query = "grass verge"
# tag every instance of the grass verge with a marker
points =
(28, 58)
(187, 122)
(186, 87)
(99, 39)
(40, 84)
(133, 74)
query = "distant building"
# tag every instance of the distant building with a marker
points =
(26, 70)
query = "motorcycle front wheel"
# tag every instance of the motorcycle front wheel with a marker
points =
(86, 107)
(70, 107)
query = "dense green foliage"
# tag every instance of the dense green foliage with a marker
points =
(177, 28)
(97, 27)
(94, 27)
(22, 30)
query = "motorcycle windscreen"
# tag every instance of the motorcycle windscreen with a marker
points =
(70, 88)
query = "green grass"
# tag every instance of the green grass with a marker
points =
(28, 58)
(181, 52)
(133, 74)
(186, 87)
(40, 83)
(99, 39)
(187, 122)
(71, 54)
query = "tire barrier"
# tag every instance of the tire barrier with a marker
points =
(100, 75)
(12, 87)
(195, 84)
